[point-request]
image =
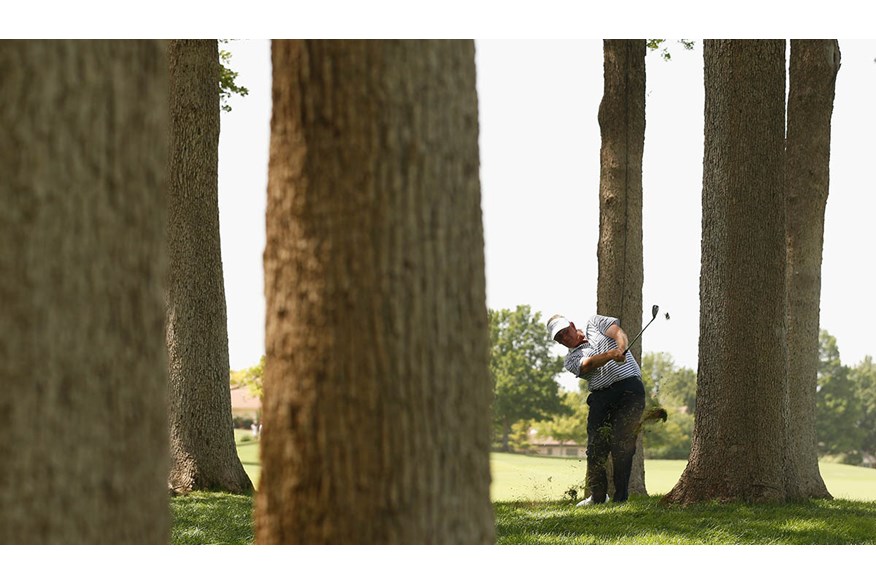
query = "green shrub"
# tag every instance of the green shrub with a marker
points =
(670, 439)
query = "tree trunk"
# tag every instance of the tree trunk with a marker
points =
(622, 126)
(82, 259)
(203, 454)
(377, 383)
(738, 437)
(813, 71)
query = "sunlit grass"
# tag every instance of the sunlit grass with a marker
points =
(216, 518)
(517, 477)
(211, 518)
(645, 521)
(528, 495)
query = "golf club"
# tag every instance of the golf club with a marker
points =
(654, 310)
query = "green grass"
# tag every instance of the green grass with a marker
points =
(645, 521)
(248, 451)
(211, 518)
(517, 477)
(531, 508)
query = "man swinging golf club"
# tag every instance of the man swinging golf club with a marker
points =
(617, 398)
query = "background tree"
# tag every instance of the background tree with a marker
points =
(251, 378)
(228, 79)
(203, 454)
(679, 390)
(377, 379)
(659, 44)
(571, 426)
(812, 79)
(82, 260)
(523, 369)
(738, 440)
(619, 252)
(839, 407)
(673, 388)
(863, 378)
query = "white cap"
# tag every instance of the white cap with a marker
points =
(556, 324)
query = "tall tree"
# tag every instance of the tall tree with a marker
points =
(377, 382)
(739, 429)
(203, 455)
(812, 81)
(82, 258)
(523, 369)
(619, 253)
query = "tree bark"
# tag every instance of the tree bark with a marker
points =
(619, 254)
(738, 438)
(377, 384)
(203, 454)
(82, 260)
(813, 71)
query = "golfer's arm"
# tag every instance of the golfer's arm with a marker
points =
(593, 362)
(619, 336)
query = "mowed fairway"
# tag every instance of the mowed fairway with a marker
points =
(518, 477)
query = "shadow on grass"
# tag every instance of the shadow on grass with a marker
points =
(211, 518)
(645, 521)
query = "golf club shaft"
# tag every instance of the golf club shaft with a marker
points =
(640, 332)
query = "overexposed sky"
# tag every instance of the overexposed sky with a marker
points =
(539, 144)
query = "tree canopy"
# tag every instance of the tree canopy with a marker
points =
(839, 408)
(228, 79)
(523, 368)
(251, 378)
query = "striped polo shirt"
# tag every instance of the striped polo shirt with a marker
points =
(598, 342)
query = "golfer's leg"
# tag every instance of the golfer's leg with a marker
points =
(623, 444)
(598, 445)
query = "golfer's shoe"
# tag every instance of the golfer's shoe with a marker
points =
(589, 501)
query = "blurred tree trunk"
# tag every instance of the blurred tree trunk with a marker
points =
(813, 71)
(377, 385)
(738, 439)
(82, 261)
(203, 454)
(622, 125)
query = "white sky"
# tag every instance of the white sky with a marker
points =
(539, 141)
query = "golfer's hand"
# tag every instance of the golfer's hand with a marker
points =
(618, 355)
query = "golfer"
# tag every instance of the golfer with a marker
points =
(617, 398)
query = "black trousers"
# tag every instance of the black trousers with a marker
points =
(615, 413)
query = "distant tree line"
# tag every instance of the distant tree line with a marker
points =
(528, 396)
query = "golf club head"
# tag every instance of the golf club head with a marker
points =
(654, 310)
